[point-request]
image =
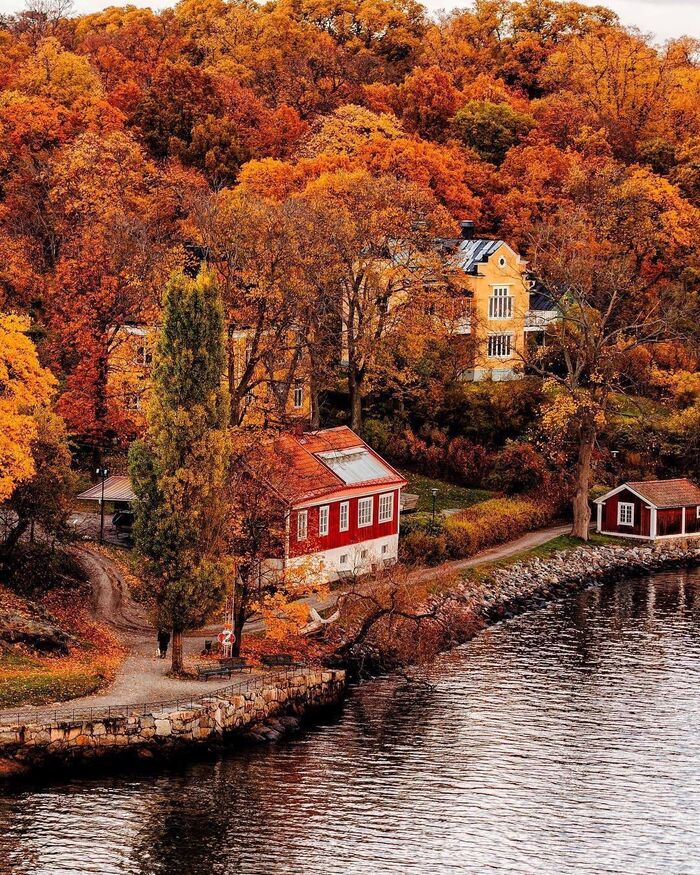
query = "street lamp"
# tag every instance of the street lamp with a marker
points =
(103, 473)
(434, 493)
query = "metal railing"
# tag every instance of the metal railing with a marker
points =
(58, 714)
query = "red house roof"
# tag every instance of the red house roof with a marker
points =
(667, 493)
(334, 461)
(661, 493)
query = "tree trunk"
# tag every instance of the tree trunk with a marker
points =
(177, 652)
(581, 508)
(315, 393)
(238, 623)
(355, 392)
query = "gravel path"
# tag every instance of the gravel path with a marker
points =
(142, 675)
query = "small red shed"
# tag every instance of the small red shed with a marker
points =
(651, 509)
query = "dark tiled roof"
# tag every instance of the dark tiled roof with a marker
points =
(468, 254)
(540, 297)
(668, 493)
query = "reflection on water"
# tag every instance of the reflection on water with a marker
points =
(566, 741)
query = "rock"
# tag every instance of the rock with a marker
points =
(163, 727)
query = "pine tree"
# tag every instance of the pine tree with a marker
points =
(179, 469)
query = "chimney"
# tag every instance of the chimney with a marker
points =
(467, 227)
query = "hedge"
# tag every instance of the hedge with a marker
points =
(472, 530)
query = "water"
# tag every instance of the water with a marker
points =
(565, 741)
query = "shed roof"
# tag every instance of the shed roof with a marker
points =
(117, 488)
(667, 493)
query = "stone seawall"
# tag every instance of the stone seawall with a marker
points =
(264, 711)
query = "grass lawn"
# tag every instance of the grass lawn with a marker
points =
(34, 681)
(449, 495)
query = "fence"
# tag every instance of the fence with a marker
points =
(257, 681)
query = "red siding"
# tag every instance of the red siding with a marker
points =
(335, 538)
(642, 515)
(669, 521)
(692, 523)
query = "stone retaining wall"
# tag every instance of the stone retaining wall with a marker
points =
(263, 712)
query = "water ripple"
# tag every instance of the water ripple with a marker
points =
(565, 741)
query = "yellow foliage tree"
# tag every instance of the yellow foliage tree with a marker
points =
(24, 387)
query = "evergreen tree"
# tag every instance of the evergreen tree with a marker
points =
(179, 469)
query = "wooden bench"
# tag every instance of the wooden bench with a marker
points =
(235, 663)
(224, 667)
(270, 660)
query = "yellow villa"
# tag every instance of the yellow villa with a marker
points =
(503, 307)
(271, 394)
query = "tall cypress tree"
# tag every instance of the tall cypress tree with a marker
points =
(179, 469)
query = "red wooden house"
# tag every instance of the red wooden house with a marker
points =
(341, 503)
(651, 509)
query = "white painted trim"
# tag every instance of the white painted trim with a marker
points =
(683, 521)
(321, 508)
(653, 522)
(302, 515)
(330, 499)
(613, 492)
(390, 518)
(346, 527)
(599, 519)
(626, 505)
(365, 525)
(648, 537)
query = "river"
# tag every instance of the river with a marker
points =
(563, 741)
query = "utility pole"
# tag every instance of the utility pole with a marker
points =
(434, 493)
(103, 473)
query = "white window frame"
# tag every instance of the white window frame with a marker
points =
(323, 517)
(365, 520)
(383, 517)
(343, 558)
(697, 512)
(344, 516)
(501, 303)
(625, 519)
(302, 525)
(385, 549)
(499, 346)
(298, 399)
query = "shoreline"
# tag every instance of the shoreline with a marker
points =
(472, 605)
(278, 707)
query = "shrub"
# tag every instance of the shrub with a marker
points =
(517, 468)
(472, 530)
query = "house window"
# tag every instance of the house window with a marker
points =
(344, 516)
(298, 395)
(323, 520)
(344, 559)
(364, 512)
(501, 303)
(501, 262)
(363, 554)
(386, 507)
(302, 525)
(697, 512)
(144, 356)
(499, 345)
(385, 549)
(625, 514)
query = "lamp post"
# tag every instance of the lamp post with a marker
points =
(434, 493)
(103, 473)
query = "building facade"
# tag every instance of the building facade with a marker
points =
(503, 308)
(342, 504)
(650, 510)
(277, 392)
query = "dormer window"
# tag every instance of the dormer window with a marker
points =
(501, 262)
